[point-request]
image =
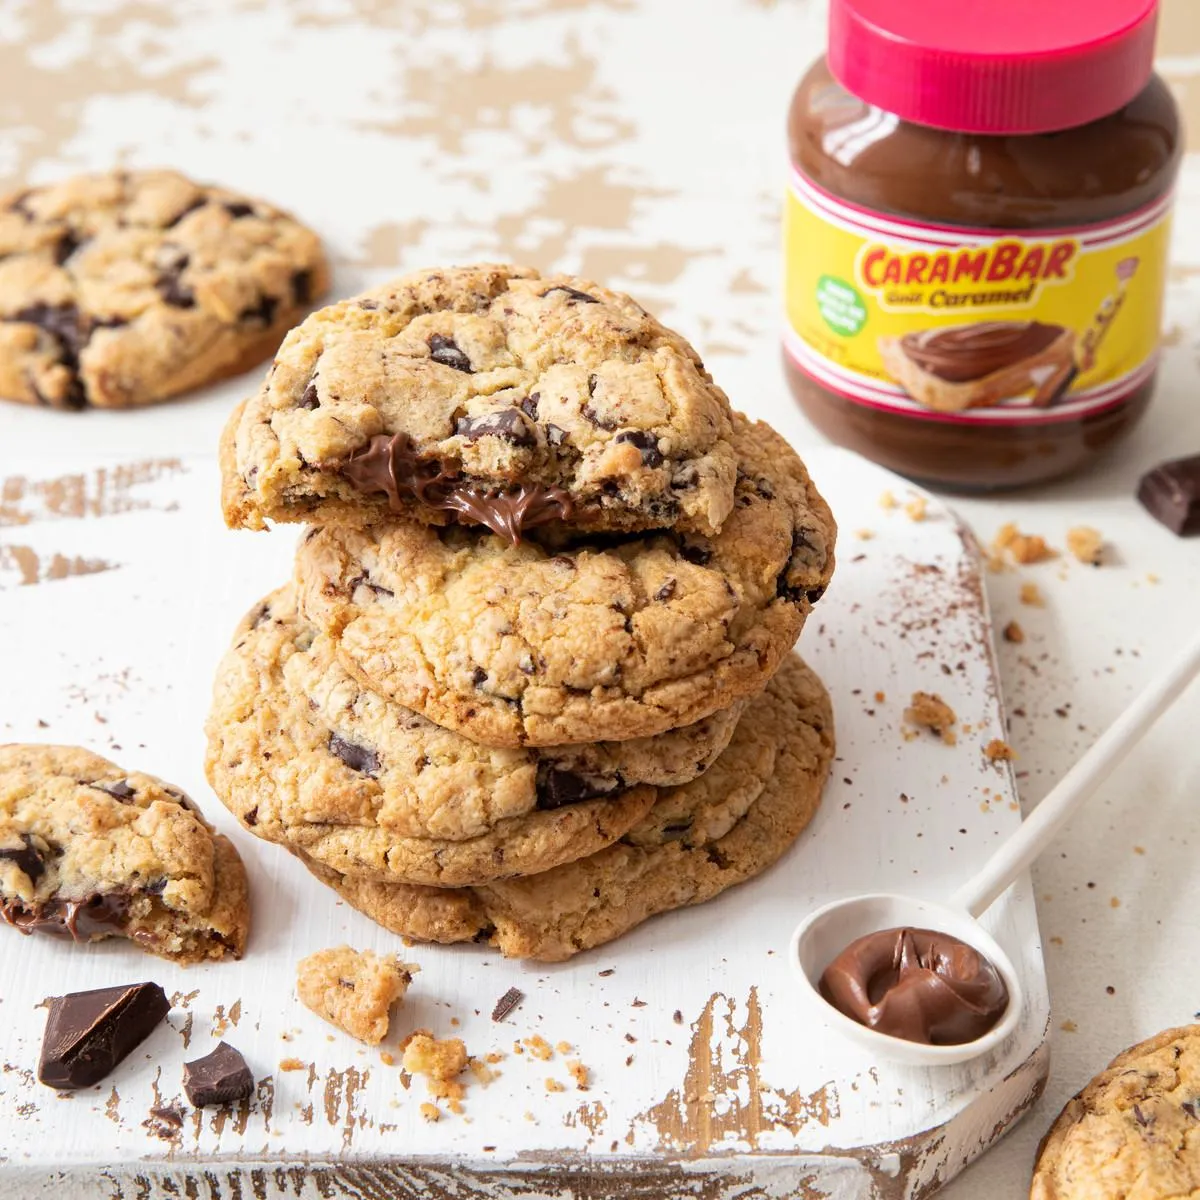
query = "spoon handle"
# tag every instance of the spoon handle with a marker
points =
(1039, 828)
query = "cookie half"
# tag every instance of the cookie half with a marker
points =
(698, 840)
(90, 851)
(578, 639)
(484, 395)
(124, 288)
(1134, 1131)
(306, 756)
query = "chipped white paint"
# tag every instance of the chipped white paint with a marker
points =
(736, 1085)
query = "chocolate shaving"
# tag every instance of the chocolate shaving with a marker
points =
(507, 1003)
(27, 858)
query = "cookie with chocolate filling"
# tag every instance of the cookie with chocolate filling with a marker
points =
(306, 756)
(90, 851)
(700, 839)
(577, 638)
(121, 289)
(484, 395)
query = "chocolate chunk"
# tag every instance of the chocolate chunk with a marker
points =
(572, 294)
(302, 291)
(89, 1033)
(96, 916)
(529, 406)
(507, 424)
(555, 436)
(699, 555)
(217, 1078)
(557, 787)
(63, 322)
(445, 350)
(118, 791)
(666, 591)
(478, 676)
(168, 1115)
(173, 290)
(263, 311)
(507, 1003)
(647, 443)
(357, 758)
(67, 244)
(309, 398)
(239, 210)
(27, 858)
(509, 514)
(1171, 494)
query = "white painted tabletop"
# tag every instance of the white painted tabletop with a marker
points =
(616, 138)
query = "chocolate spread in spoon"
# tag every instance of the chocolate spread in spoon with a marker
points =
(918, 985)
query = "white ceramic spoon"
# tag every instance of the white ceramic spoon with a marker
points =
(824, 934)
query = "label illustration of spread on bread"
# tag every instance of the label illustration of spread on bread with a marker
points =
(958, 324)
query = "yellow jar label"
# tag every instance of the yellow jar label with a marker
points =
(958, 324)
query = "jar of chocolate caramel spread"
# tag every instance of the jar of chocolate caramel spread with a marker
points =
(976, 233)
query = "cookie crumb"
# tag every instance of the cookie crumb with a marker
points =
(539, 1047)
(387, 1058)
(1086, 544)
(431, 1112)
(292, 1064)
(916, 508)
(482, 1072)
(1031, 595)
(887, 501)
(1023, 548)
(579, 1073)
(440, 1062)
(998, 750)
(1068, 1027)
(552, 1085)
(864, 535)
(564, 1047)
(927, 710)
(353, 989)
(507, 1003)
(1014, 633)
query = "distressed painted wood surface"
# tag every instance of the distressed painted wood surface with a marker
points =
(701, 1076)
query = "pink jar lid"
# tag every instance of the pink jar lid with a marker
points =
(993, 66)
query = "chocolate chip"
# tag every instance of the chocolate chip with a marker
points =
(66, 245)
(1171, 495)
(118, 791)
(675, 832)
(812, 595)
(1141, 1117)
(508, 425)
(261, 616)
(26, 857)
(700, 555)
(557, 787)
(173, 290)
(263, 311)
(507, 1003)
(309, 398)
(357, 758)
(251, 817)
(445, 350)
(479, 676)
(217, 1078)
(238, 210)
(555, 436)
(302, 286)
(647, 443)
(529, 406)
(63, 322)
(89, 1033)
(666, 591)
(573, 294)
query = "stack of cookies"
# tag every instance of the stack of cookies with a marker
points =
(532, 680)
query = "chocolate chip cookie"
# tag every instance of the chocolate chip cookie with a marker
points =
(304, 755)
(1134, 1132)
(89, 851)
(722, 829)
(487, 395)
(577, 638)
(124, 288)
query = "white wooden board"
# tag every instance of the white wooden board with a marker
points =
(119, 589)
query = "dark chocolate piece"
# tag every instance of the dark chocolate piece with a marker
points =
(507, 424)
(27, 858)
(507, 1003)
(1171, 495)
(357, 758)
(572, 294)
(445, 350)
(89, 1033)
(217, 1078)
(647, 443)
(118, 791)
(557, 787)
